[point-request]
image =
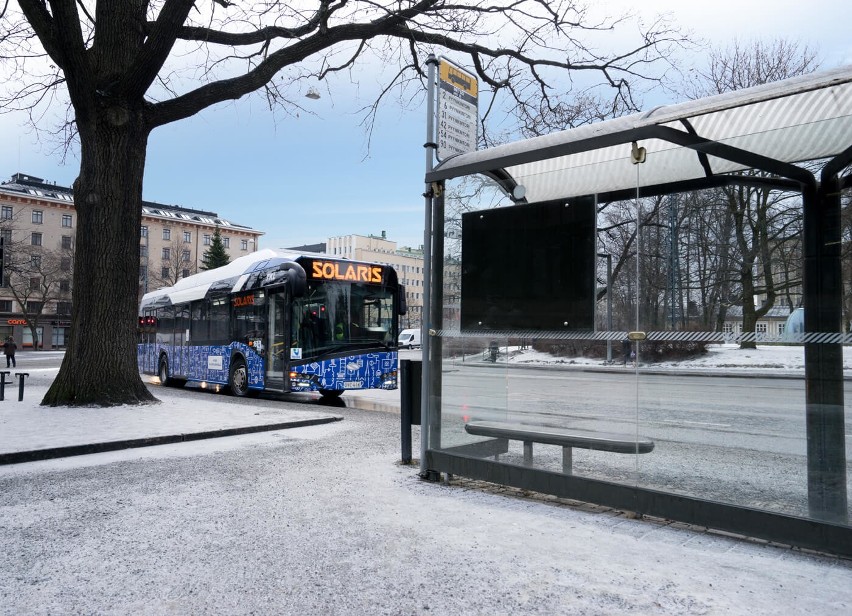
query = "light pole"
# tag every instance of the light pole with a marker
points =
(608, 304)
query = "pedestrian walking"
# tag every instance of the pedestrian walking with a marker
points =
(9, 347)
(625, 351)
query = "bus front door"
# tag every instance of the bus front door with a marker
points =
(278, 341)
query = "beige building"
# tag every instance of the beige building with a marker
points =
(38, 224)
(407, 262)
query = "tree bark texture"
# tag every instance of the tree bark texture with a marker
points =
(101, 369)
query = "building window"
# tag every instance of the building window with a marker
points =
(226, 241)
(65, 285)
(66, 241)
(65, 264)
(5, 305)
(66, 221)
(167, 234)
(143, 272)
(35, 261)
(760, 328)
(38, 217)
(187, 237)
(728, 328)
(781, 327)
(185, 273)
(243, 244)
(36, 239)
(63, 307)
(184, 256)
(165, 272)
(143, 231)
(206, 239)
(6, 234)
(143, 252)
(27, 337)
(59, 336)
(167, 254)
(6, 212)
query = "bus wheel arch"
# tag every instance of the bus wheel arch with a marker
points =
(330, 393)
(163, 370)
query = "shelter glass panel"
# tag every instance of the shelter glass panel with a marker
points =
(717, 275)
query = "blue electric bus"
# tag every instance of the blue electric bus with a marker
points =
(279, 321)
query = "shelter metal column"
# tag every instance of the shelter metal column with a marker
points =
(822, 291)
(427, 268)
(437, 316)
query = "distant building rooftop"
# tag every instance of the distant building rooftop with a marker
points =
(37, 187)
(319, 248)
(776, 312)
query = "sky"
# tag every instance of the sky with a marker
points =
(324, 520)
(303, 179)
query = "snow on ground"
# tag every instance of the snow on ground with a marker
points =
(719, 356)
(324, 520)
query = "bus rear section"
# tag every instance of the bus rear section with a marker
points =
(276, 321)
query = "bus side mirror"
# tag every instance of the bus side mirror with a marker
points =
(296, 278)
(403, 305)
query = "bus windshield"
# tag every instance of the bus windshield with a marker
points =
(332, 317)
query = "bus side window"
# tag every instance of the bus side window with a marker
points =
(165, 333)
(198, 324)
(218, 316)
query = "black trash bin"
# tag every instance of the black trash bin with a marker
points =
(410, 373)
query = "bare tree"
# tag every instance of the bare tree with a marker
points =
(130, 67)
(765, 222)
(38, 278)
(175, 261)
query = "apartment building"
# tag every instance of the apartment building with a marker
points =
(38, 225)
(408, 263)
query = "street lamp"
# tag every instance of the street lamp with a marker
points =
(313, 94)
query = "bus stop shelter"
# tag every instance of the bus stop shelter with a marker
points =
(797, 135)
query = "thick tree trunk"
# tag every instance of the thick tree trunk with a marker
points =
(101, 370)
(749, 309)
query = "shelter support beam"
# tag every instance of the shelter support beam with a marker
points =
(824, 413)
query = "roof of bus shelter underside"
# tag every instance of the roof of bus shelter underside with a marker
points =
(690, 144)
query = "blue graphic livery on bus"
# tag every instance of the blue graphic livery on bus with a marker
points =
(274, 320)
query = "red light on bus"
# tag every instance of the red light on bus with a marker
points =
(148, 324)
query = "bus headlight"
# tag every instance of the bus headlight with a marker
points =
(388, 380)
(300, 382)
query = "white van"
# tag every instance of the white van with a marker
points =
(409, 339)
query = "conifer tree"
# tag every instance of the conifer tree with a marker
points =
(215, 256)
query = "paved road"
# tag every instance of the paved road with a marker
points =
(323, 520)
(734, 439)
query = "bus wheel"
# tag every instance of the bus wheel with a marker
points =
(239, 378)
(163, 372)
(331, 393)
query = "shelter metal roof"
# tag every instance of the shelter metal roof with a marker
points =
(767, 127)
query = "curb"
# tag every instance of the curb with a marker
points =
(746, 373)
(35, 455)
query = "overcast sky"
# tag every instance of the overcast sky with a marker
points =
(303, 179)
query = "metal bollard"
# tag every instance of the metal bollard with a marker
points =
(3, 383)
(21, 376)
